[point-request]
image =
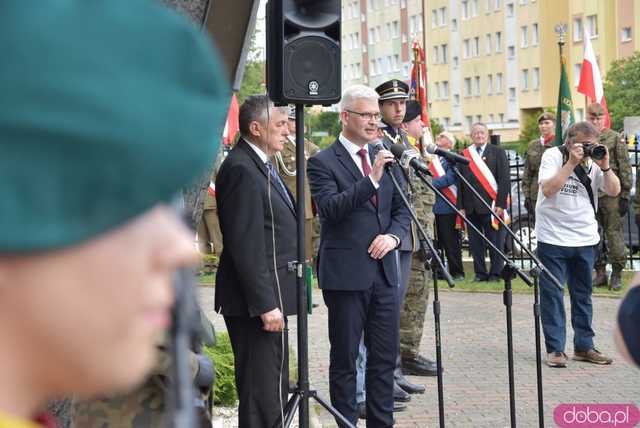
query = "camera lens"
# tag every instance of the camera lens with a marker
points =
(598, 152)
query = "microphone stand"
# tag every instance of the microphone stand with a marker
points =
(436, 262)
(536, 316)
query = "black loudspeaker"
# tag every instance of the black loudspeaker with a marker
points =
(303, 51)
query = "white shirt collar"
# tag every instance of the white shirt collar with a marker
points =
(262, 155)
(483, 147)
(352, 148)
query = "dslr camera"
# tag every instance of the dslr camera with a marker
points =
(595, 151)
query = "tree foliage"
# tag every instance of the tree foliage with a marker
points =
(622, 89)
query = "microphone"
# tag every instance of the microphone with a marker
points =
(409, 157)
(450, 156)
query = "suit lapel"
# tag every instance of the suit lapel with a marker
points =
(346, 160)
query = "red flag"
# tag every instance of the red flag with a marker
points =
(591, 80)
(418, 83)
(232, 125)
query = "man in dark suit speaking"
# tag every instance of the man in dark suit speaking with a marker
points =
(361, 217)
(255, 289)
(488, 173)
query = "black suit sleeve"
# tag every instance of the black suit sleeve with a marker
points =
(242, 217)
(333, 205)
(502, 178)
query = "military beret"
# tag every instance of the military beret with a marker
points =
(414, 109)
(107, 108)
(392, 90)
(595, 109)
(547, 115)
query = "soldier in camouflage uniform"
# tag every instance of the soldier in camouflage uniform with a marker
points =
(413, 311)
(209, 235)
(286, 166)
(611, 209)
(532, 158)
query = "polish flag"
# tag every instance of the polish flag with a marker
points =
(232, 125)
(591, 80)
(212, 189)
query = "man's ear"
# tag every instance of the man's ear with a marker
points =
(255, 129)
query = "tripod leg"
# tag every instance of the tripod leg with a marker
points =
(536, 317)
(336, 414)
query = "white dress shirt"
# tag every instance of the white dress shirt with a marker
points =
(353, 150)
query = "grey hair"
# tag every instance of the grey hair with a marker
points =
(475, 125)
(256, 109)
(584, 128)
(354, 93)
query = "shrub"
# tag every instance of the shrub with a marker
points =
(224, 390)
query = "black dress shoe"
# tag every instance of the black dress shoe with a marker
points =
(426, 361)
(479, 278)
(415, 367)
(400, 394)
(362, 409)
(409, 387)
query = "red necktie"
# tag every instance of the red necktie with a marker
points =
(366, 170)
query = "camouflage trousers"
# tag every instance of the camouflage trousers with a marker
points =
(611, 248)
(414, 309)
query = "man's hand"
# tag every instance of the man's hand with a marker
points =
(272, 320)
(382, 158)
(381, 245)
(576, 154)
(623, 206)
(604, 162)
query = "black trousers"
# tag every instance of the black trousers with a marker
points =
(259, 365)
(478, 247)
(374, 311)
(449, 241)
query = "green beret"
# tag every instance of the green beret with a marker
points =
(414, 109)
(107, 108)
(547, 115)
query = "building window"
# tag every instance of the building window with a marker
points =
(523, 2)
(525, 79)
(512, 94)
(474, 7)
(434, 18)
(501, 115)
(491, 118)
(625, 34)
(437, 90)
(592, 26)
(579, 115)
(536, 79)
(396, 29)
(498, 85)
(456, 99)
(489, 84)
(577, 29)
(497, 5)
(534, 35)
(476, 86)
(436, 55)
(577, 69)
(510, 10)
(447, 121)
(456, 61)
(487, 6)
(487, 44)
(445, 90)
(476, 46)
(465, 48)
(467, 86)
(524, 40)
(498, 41)
(445, 54)
(454, 24)
(396, 62)
(469, 121)
(478, 118)
(465, 9)
(443, 16)
(511, 52)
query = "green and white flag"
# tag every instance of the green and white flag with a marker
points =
(564, 115)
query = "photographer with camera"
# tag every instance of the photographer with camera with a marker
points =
(611, 209)
(569, 178)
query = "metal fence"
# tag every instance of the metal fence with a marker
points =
(522, 223)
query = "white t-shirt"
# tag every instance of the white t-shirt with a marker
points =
(566, 219)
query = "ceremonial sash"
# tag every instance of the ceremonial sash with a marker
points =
(212, 189)
(451, 191)
(488, 182)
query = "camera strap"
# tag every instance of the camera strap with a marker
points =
(582, 176)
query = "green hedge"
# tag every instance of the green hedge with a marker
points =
(224, 390)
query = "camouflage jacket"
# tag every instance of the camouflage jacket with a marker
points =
(618, 160)
(532, 158)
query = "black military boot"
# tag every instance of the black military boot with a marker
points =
(615, 283)
(600, 280)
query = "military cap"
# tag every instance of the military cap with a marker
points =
(392, 90)
(107, 108)
(595, 109)
(547, 115)
(414, 109)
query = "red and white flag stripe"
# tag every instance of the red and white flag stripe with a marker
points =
(591, 80)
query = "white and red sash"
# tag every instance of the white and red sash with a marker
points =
(451, 191)
(488, 182)
(212, 189)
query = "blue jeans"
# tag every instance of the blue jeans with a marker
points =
(572, 265)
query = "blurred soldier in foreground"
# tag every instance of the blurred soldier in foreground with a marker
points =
(532, 158)
(286, 166)
(88, 242)
(611, 209)
(412, 312)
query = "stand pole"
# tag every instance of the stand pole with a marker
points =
(436, 322)
(508, 274)
(536, 316)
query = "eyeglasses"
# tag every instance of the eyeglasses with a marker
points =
(366, 115)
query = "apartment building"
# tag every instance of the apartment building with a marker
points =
(376, 39)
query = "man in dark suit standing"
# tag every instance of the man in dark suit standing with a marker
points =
(362, 218)
(255, 289)
(488, 173)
